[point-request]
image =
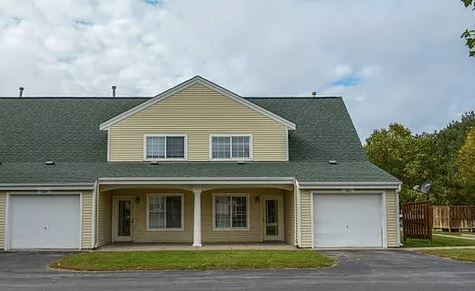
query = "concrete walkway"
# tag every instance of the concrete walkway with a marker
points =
(439, 248)
(120, 247)
(468, 237)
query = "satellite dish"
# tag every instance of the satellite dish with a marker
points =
(425, 187)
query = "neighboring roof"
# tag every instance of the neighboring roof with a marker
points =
(65, 130)
(186, 84)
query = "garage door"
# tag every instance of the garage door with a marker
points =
(51, 221)
(347, 220)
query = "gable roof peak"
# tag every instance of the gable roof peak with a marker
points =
(207, 83)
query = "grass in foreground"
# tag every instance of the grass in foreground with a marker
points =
(193, 260)
(456, 254)
(438, 241)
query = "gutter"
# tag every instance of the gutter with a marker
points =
(195, 180)
(349, 185)
(47, 186)
(95, 207)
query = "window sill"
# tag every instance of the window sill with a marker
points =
(165, 160)
(230, 229)
(163, 229)
(231, 160)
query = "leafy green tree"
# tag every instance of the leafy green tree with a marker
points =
(403, 155)
(448, 142)
(466, 164)
(436, 156)
(469, 34)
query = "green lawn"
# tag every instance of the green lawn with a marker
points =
(193, 260)
(438, 241)
(456, 254)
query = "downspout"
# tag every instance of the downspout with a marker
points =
(398, 226)
(298, 214)
(95, 204)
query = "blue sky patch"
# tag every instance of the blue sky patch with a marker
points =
(152, 2)
(350, 81)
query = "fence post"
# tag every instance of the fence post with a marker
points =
(450, 220)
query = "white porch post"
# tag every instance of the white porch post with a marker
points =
(197, 216)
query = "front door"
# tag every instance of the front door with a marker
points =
(123, 218)
(273, 218)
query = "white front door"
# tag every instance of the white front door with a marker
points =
(341, 220)
(272, 211)
(44, 221)
(123, 218)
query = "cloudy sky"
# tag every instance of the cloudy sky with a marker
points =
(392, 61)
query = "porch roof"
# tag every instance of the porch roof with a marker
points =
(64, 172)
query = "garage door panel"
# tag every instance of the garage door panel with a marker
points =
(51, 221)
(347, 220)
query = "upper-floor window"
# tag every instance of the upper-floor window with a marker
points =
(166, 147)
(231, 147)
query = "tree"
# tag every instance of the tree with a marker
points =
(445, 157)
(466, 165)
(469, 34)
(407, 157)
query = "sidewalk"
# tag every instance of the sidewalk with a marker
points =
(468, 237)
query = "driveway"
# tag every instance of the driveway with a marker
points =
(356, 270)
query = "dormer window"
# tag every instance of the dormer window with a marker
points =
(165, 147)
(231, 147)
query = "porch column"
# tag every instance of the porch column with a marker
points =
(197, 216)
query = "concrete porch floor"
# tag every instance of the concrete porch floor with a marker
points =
(120, 247)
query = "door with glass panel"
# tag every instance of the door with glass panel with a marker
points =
(123, 218)
(272, 217)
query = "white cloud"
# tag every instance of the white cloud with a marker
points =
(411, 63)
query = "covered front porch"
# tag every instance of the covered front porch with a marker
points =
(214, 216)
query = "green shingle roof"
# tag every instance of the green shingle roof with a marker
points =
(66, 130)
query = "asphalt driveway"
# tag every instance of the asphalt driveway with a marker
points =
(356, 270)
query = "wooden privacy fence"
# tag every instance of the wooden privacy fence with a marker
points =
(417, 220)
(458, 218)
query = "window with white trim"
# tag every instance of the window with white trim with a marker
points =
(231, 211)
(165, 147)
(165, 211)
(233, 147)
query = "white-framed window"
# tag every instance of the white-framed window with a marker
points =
(165, 211)
(165, 147)
(230, 147)
(231, 211)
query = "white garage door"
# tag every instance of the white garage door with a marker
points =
(347, 220)
(50, 221)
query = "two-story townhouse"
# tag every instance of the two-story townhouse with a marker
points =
(195, 164)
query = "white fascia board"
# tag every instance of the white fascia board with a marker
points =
(47, 186)
(195, 180)
(349, 185)
(197, 79)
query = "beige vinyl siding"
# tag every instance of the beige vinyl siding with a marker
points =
(198, 112)
(86, 222)
(3, 206)
(104, 218)
(140, 233)
(392, 217)
(289, 217)
(306, 219)
(255, 231)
